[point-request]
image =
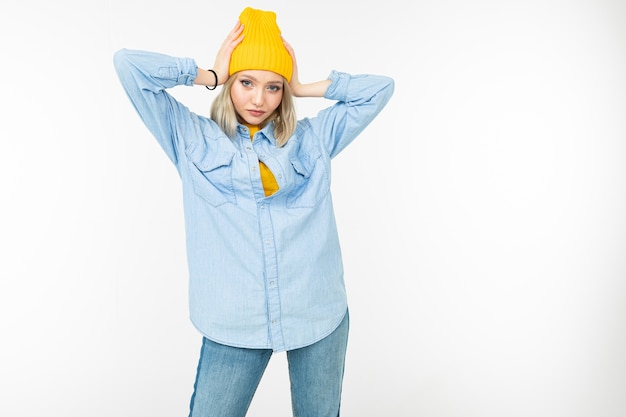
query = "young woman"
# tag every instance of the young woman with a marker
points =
(263, 250)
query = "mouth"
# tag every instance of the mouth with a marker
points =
(256, 113)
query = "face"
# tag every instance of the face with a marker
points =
(256, 94)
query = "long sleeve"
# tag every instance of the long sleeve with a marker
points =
(359, 100)
(145, 76)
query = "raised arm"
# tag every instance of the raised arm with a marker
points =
(359, 98)
(145, 77)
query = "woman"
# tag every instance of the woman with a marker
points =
(263, 251)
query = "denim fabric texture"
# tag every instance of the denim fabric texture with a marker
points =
(264, 272)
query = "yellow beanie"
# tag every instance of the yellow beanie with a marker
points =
(262, 47)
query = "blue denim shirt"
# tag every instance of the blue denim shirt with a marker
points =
(264, 272)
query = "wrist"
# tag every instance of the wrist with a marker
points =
(216, 80)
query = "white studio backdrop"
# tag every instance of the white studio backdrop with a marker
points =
(482, 214)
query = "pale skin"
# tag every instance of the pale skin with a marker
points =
(257, 93)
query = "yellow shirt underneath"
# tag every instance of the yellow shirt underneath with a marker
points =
(270, 186)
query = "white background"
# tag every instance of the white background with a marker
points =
(482, 214)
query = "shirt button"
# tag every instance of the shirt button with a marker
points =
(272, 283)
(253, 168)
(248, 148)
(279, 175)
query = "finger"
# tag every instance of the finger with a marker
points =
(238, 26)
(287, 46)
(237, 30)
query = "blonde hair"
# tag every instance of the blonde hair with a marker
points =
(284, 117)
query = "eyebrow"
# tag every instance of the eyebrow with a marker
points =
(243, 74)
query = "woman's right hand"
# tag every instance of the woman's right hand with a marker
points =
(222, 60)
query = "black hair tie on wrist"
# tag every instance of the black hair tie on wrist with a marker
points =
(215, 86)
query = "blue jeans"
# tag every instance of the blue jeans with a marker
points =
(228, 377)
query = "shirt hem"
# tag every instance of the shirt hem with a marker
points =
(268, 347)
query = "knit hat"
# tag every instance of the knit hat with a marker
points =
(262, 47)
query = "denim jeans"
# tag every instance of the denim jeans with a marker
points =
(228, 377)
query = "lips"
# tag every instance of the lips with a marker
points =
(256, 113)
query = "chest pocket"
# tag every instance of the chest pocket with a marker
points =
(211, 175)
(311, 181)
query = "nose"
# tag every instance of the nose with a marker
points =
(257, 97)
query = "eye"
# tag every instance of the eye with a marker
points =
(274, 88)
(246, 83)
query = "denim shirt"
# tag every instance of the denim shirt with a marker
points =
(264, 272)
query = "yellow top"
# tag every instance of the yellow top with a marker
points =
(270, 186)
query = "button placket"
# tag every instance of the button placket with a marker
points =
(271, 274)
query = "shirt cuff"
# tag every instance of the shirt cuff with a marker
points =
(338, 88)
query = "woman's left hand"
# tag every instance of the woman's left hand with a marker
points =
(316, 89)
(295, 82)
